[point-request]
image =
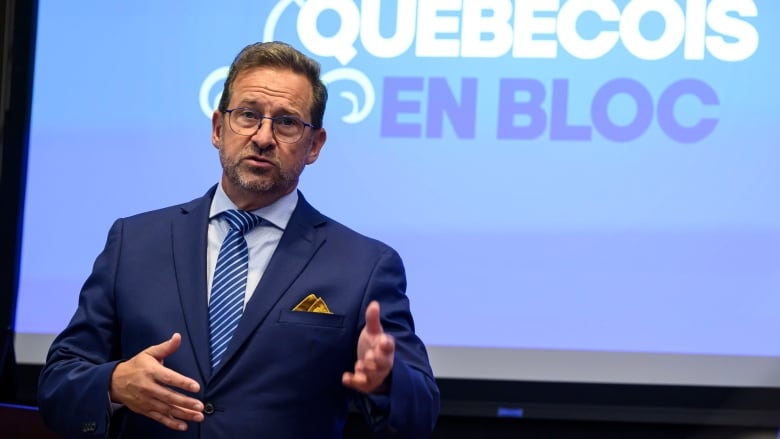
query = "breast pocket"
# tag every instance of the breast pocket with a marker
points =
(287, 317)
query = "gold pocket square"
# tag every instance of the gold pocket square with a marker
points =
(312, 303)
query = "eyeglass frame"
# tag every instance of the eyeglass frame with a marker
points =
(273, 120)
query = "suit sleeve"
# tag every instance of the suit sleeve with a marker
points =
(74, 383)
(411, 407)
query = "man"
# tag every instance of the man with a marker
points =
(319, 318)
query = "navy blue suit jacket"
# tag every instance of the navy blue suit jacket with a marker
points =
(281, 375)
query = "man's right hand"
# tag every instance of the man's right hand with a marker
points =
(145, 386)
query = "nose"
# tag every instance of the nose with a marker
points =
(264, 136)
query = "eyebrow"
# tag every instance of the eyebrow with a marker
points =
(253, 104)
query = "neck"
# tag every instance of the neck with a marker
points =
(252, 200)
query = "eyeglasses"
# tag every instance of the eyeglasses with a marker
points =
(246, 122)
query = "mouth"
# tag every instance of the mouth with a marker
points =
(259, 161)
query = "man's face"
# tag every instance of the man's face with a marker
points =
(258, 170)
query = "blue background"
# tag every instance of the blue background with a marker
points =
(645, 246)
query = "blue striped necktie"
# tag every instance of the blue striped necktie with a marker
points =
(229, 285)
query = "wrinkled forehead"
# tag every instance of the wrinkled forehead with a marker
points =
(263, 85)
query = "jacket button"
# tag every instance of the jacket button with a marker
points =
(208, 408)
(88, 427)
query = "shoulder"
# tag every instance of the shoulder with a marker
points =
(194, 210)
(197, 205)
(339, 234)
(342, 231)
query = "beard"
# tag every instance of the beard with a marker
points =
(281, 180)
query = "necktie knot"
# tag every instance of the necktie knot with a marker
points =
(241, 220)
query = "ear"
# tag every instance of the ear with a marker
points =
(317, 143)
(217, 128)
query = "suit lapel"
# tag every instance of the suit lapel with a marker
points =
(298, 245)
(190, 231)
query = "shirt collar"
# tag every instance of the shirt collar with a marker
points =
(277, 213)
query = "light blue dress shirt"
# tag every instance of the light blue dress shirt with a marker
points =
(261, 241)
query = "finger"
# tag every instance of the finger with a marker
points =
(369, 361)
(382, 353)
(159, 384)
(387, 345)
(185, 414)
(373, 324)
(362, 383)
(176, 399)
(176, 412)
(348, 379)
(358, 382)
(384, 362)
(166, 348)
(378, 362)
(168, 421)
(174, 379)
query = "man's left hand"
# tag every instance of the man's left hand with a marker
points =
(375, 354)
